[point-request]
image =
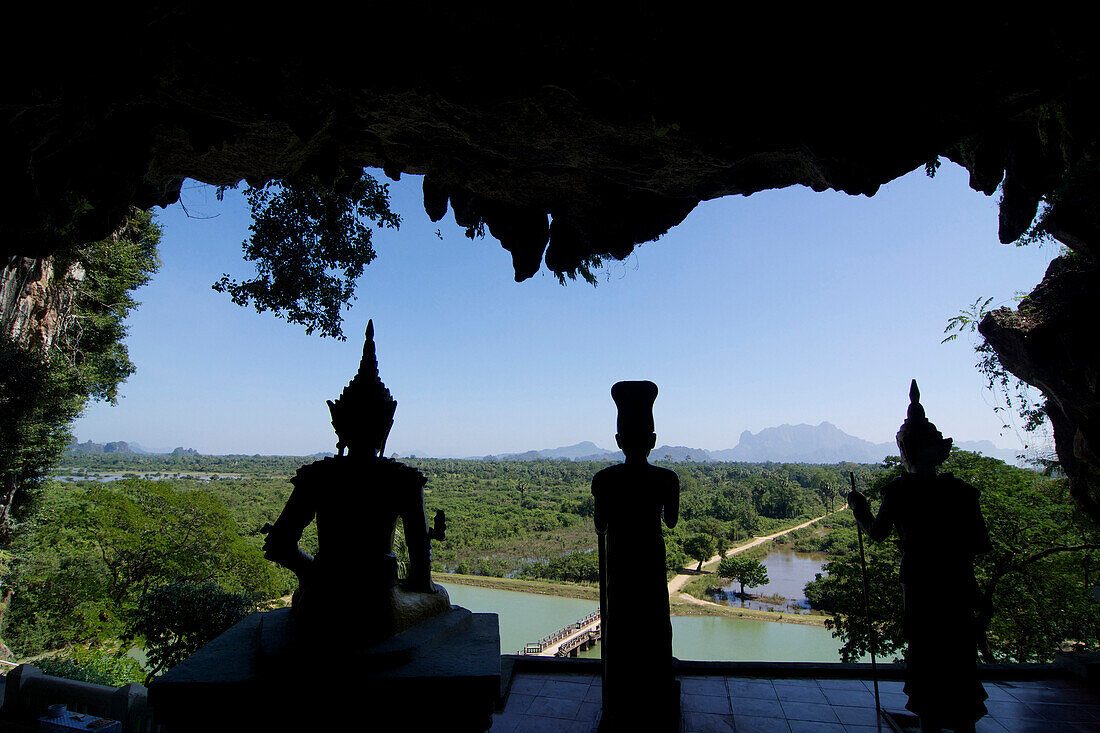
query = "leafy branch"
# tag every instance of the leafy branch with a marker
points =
(310, 242)
(1011, 393)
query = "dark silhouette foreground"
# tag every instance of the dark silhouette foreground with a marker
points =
(941, 529)
(358, 499)
(640, 691)
(359, 646)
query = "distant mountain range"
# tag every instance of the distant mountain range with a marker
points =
(122, 446)
(589, 451)
(824, 443)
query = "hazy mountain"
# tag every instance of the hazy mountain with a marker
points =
(122, 446)
(579, 451)
(824, 443)
(114, 447)
(531, 455)
(573, 452)
(603, 455)
(681, 453)
(576, 451)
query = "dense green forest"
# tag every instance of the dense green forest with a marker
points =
(99, 555)
(107, 563)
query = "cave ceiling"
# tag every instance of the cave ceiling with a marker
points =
(567, 134)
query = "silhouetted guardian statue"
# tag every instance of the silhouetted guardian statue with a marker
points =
(352, 587)
(640, 691)
(940, 525)
(376, 648)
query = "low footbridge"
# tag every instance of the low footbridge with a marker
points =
(568, 640)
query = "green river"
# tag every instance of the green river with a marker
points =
(528, 617)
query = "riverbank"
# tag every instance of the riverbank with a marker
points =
(680, 602)
(538, 587)
(677, 606)
(698, 607)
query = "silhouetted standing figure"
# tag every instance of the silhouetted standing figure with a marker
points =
(940, 525)
(639, 686)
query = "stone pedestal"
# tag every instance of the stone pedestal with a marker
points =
(1085, 665)
(442, 674)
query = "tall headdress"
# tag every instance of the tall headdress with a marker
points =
(917, 427)
(363, 413)
(635, 403)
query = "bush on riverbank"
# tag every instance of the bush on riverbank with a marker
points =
(576, 567)
(835, 535)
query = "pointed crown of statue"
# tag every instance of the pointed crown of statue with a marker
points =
(363, 413)
(635, 403)
(918, 432)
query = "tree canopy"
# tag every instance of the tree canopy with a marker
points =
(744, 570)
(700, 547)
(178, 619)
(82, 570)
(44, 387)
(310, 244)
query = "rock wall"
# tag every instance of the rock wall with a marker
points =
(568, 134)
(36, 299)
(1050, 342)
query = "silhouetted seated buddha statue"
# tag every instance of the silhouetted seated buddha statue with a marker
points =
(940, 527)
(351, 589)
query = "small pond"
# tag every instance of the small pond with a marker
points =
(788, 573)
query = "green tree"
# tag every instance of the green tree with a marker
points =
(700, 547)
(744, 570)
(93, 554)
(783, 499)
(178, 619)
(45, 386)
(715, 529)
(827, 490)
(675, 558)
(37, 404)
(149, 533)
(840, 592)
(310, 244)
(576, 567)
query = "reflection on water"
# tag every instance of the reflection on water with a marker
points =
(527, 617)
(788, 573)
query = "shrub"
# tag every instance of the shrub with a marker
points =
(93, 665)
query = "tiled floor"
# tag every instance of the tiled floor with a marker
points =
(570, 702)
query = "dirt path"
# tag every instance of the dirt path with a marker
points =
(680, 581)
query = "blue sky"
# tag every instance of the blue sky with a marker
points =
(786, 306)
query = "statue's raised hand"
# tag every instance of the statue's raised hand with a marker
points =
(282, 548)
